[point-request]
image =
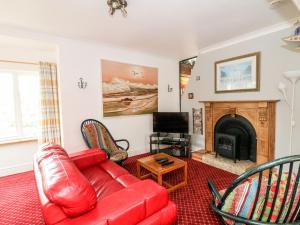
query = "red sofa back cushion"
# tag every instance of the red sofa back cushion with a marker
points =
(63, 183)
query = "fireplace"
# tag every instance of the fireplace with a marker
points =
(235, 138)
(254, 135)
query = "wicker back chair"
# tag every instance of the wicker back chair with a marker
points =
(267, 193)
(96, 135)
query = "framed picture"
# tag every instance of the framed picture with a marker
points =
(128, 89)
(191, 95)
(238, 74)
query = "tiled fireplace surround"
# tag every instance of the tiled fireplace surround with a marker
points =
(260, 113)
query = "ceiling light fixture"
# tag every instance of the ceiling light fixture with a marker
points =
(117, 4)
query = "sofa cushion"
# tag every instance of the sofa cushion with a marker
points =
(63, 183)
(113, 169)
(106, 182)
(127, 179)
(101, 181)
(133, 204)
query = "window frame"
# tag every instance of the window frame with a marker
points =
(20, 136)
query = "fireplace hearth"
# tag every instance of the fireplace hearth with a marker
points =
(235, 138)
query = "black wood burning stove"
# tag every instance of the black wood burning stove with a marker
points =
(226, 145)
(235, 138)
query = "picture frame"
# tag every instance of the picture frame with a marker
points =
(238, 74)
(128, 89)
(191, 95)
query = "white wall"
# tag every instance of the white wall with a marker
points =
(82, 59)
(16, 158)
(274, 61)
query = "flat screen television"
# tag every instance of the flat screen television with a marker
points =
(171, 122)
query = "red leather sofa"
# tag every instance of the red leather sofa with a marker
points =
(86, 188)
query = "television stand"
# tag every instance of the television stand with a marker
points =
(175, 146)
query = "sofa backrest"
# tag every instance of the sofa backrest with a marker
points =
(63, 183)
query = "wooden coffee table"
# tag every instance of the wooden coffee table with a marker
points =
(157, 171)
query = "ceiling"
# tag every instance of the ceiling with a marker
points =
(172, 28)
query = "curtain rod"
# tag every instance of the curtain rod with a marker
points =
(19, 62)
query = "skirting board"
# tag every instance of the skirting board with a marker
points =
(196, 148)
(16, 169)
(133, 152)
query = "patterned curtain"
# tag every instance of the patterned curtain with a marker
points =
(50, 122)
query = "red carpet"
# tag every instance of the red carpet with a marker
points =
(19, 203)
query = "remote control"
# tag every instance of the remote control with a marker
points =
(167, 163)
(162, 160)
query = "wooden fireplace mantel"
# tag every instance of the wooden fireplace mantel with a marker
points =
(239, 101)
(260, 113)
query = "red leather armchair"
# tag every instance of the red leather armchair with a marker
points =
(86, 188)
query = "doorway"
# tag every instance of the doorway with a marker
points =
(185, 71)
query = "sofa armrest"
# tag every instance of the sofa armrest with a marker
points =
(88, 158)
(52, 213)
(128, 206)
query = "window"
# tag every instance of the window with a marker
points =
(19, 104)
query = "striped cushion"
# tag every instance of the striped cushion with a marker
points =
(118, 155)
(98, 137)
(91, 133)
(280, 196)
(241, 200)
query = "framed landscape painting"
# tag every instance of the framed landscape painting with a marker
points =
(238, 74)
(128, 89)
